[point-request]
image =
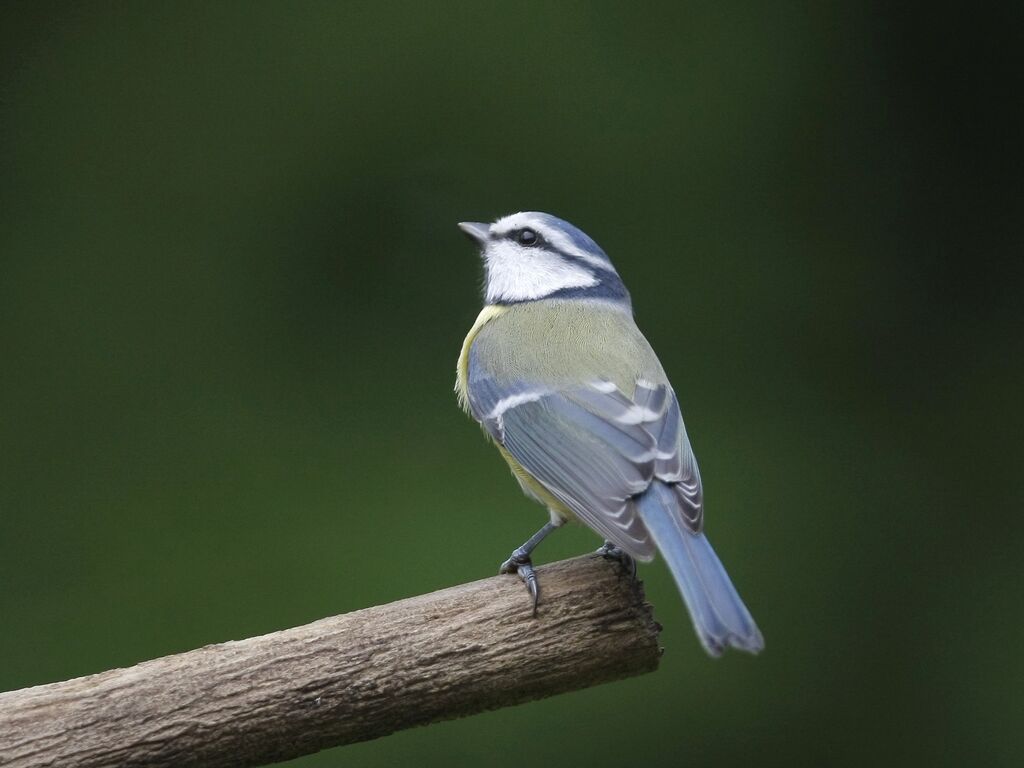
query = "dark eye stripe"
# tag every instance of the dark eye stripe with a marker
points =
(526, 237)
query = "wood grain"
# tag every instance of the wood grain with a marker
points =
(343, 679)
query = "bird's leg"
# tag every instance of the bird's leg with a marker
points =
(613, 552)
(519, 562)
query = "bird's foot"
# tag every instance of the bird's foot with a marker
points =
(612, 552)
(520, 563)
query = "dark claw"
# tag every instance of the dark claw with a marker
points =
(520, 563)
(516, 559)
(613, 552)
(527, 574)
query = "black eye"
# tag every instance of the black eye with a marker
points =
(527, 237)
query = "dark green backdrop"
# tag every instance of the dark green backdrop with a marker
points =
(232, 294)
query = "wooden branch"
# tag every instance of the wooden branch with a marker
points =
(343, 679)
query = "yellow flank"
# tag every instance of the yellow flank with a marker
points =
(487, 314)
(534, 489)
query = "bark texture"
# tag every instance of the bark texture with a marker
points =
(343, 679)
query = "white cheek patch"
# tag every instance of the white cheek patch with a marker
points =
(523, 274)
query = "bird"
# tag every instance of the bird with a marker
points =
(561, 379)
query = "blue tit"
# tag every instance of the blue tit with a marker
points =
(558, 374)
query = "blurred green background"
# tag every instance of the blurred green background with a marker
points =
(232, 294)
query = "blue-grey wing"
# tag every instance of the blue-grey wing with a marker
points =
(676, 464)
(595, 449)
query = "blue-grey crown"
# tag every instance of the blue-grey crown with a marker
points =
(579, 238)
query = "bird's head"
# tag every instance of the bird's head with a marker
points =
(530, 256)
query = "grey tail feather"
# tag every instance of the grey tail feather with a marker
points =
(719, 615)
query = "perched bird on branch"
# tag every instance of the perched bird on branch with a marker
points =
(558, 374)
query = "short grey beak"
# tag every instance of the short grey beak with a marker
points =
(476, 231)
